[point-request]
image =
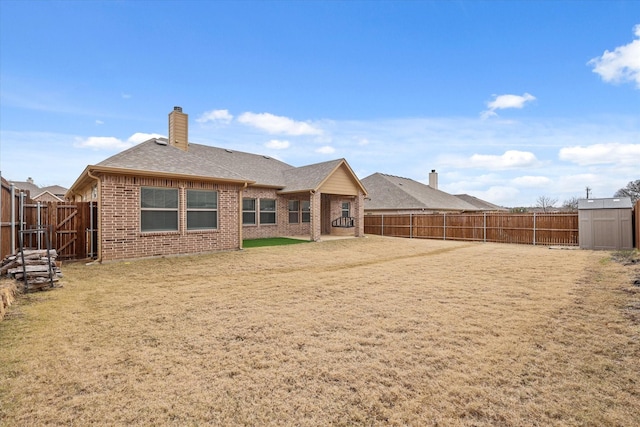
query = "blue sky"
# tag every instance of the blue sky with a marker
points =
(508, 101)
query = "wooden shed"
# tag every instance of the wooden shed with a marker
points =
(605, 224)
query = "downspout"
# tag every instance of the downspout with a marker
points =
(240, 194)
(99, 219)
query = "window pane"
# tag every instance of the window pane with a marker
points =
(248, 218)
(197, 220)
(345, 209)
(294, 214)
(306, 211)
(248, 204)
(267, 217)
(202, 199)
(163, 198)
(268, 205)
(159, 221)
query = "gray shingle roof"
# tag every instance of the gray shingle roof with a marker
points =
(152, 156)
(156, 155)
(27, 186)
(309, 177)
(393, 192)
(479, 203)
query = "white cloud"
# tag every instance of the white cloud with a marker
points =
(531, 181)
(326, 150)
(221, 116)
(601, 154)
(99, 122)
(510, 159)
(277, 124)
(277, 144)
(127, 96)
(502, 102)
(621, 65)
(113, 143)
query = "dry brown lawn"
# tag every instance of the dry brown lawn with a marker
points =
(373, 331)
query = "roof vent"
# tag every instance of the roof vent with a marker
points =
(266, 157)
(161, 142)
(228, 151)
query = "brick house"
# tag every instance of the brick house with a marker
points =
(169, 196)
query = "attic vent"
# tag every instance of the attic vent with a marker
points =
(228, 151)
(266, 157)
(161, 142)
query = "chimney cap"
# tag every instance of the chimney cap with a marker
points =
(433, 170)
(177, 109)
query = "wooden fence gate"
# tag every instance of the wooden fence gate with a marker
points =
(71, 227)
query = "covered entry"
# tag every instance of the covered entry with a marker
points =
(337, 200)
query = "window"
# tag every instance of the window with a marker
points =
(248, 211)
(294, 211)
(306, 211)
(267, 211)
(202, 210)
(158, 209)
(346, 211)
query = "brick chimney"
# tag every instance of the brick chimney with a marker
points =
(179, 129)
(433, 179)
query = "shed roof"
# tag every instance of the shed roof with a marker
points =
(612, 203)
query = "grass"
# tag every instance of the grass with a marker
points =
(271, 241)
(375, 331)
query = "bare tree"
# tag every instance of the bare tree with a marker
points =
(571, 204)
(545, 203)
(631, 190)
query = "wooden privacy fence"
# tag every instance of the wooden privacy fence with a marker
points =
(531, 228)
(70, 227)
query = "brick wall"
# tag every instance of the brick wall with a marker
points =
(120, 233)
(282, 227)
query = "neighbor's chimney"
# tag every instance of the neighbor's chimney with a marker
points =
(179, 129)
(433, 179)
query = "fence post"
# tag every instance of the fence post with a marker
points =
(534, 229)
(382, 225)
(411, 226)
(39, 224)
(444, 226)
(12, 205)
(484, 226)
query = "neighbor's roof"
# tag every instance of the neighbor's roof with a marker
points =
(27, 186)
(35, 191)
(56, 190)
(479, 203)
(394, 192)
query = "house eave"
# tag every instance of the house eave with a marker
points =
(84, 178)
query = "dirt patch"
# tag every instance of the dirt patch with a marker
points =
(374, 331)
